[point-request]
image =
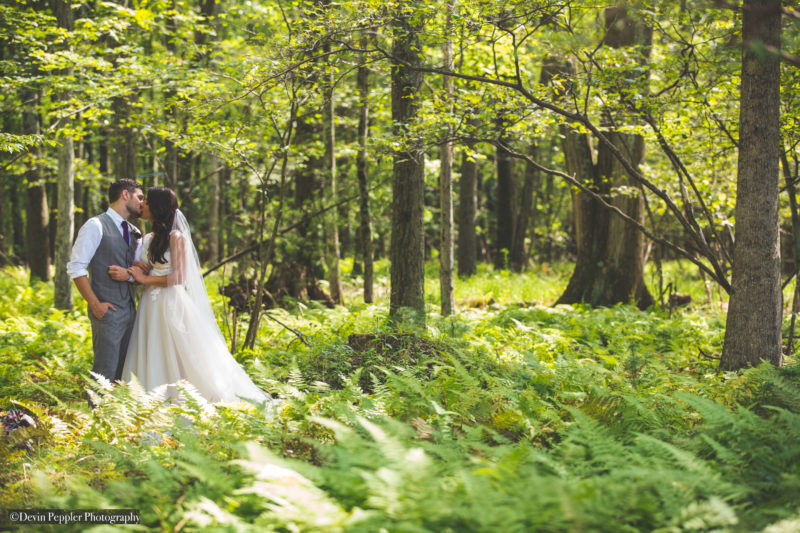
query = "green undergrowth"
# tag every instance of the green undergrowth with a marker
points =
(512, 415)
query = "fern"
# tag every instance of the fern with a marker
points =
(505, 418)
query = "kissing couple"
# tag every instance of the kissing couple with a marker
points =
(173, 336)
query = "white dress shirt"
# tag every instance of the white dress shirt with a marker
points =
(89, 237)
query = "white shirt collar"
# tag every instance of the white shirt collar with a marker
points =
(116, 217)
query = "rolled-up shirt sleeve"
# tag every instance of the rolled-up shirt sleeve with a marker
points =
(86, 244)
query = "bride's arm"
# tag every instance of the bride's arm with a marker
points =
(177, 255)
(178, 252)
(144, 279)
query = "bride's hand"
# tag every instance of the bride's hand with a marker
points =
(137, 274)
(144, 266)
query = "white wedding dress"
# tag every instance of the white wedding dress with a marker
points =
(176, 337)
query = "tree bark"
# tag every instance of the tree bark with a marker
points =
(213, 211)
(20, 250)
(124, 141)
(365, 226)
(172, 161)
(467, 213)
(297, 275)
(503, 205)
(4, 191)
(446, 292)
(519, 253)
(753, 327)
(51, 191)
(66, 189)
(65, 222)
(589, 218)
(346, 241)
(104, 156)
(37, 231)
(624, 256)
(225, 179)
(609, 267)
(791, 192)
(407, 252)
(332, 253)
(79, 202)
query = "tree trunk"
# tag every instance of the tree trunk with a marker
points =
(104, 157)
(446, 293)
(4, 192)
(791, 191)
(171, 162)
(51, 191)
(467, 213)
(202, 37)
(17, 218)
(267, 258)
(213, 209)
(124, 160)
(519, 253)
(297, 274)
(589, 218)
(37, 231)
(66, 190)
(79, 202)
(623, 268)
(37, 234)
(753, 327)
(407, 254)
(332, 257)
(346, 242)
(504, 206)
(609, 267)
(225, 179)
(365, 226)
(64, 222)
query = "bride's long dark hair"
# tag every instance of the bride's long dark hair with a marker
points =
(162, 203)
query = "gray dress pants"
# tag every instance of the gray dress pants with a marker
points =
(110, 338)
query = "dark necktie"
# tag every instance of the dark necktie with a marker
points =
(125, 234)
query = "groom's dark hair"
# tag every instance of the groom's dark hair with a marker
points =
(116, 188)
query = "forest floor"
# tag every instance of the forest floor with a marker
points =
(512, 415)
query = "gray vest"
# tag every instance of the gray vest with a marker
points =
(111, 251)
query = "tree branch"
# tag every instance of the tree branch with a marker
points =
(300, 335)
(254, 246)
(575, 182)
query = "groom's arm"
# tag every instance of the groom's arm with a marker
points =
(120, 273)
(177, 254)
(98, 308)
(86, 244)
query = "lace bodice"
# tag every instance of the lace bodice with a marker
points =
(159, 269)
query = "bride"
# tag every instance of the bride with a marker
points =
(175, 336)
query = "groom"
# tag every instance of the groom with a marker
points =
(103, 243)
